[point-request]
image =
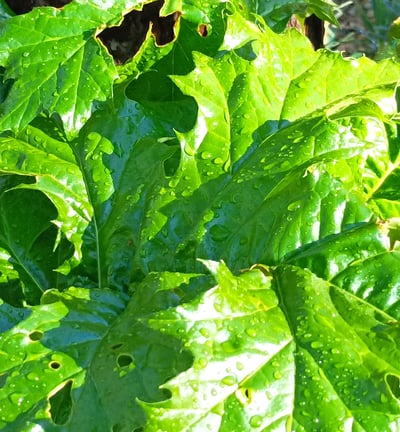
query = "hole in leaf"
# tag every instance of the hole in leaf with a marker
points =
(163, 28)
(124, 360)
(61, 404)
(203, 30)
(55, 365)
(244, 395)
(36, 335)
(393, 382)
(166, 393)
(125, 40)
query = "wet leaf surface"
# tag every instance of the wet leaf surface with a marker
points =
(132, 211)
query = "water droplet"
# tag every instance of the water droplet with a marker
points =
(17, 398)
(186, 192)
(294, 205)
(204, 332)
(205, 155)
(218, 305)
(229, 380)
(251, 332)
(239, 366)
(255, 421)
(32, 376)
(10, 157)
(316, 344)
(202, 362)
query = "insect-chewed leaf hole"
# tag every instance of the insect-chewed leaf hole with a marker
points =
(124, 360)
(203, 30)
(54, 365)
(244, 395)
(36, 335)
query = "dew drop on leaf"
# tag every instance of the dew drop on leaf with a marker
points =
(202, 362)
(239, 366)
(251, 332)
(32, 376)
(205, 155)
(219, 232)
(255, 421)
(204, 332)
(229, 380)
(17, 398)
(316, 344)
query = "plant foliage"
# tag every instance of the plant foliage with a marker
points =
(203, 238)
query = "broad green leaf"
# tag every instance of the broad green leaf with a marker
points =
(56, 63)
(31, 240)
(243, 356)
(280, 349)
(53, 344)
(232, 143)
(52, 163)
(88, 348)
(249, 183)
(247, 174)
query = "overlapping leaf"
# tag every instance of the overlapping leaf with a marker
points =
(249, 169)
(247, 174)
(56, 64)
(52, 163)
(52, 345)
(82, 347)
(266, 152)
(280, 350)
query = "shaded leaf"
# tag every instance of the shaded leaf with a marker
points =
(50, 349)
(57, 176)
(82, 348)
(33, 247)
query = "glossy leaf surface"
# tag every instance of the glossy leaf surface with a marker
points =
(277, 350)
(204, 238)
